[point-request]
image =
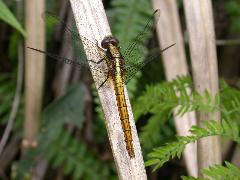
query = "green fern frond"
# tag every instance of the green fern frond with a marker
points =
(152, 103)
(7, 88)
(68, 152)
(130, 17)
(230, 106)
(222, 172)
(163, 132)
(169, 95)
(61, 148)
(7, 92)
(155, 98)
(160, 101)
(191, 178)
(174, 149)
(218, 172)
(232, 9)
(76, 159)
(67, 109)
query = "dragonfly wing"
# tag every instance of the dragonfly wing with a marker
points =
(68, 32)
(64, 60)
(136, 50)
(99, 73)
(71, 35)
(99, 70)
(131, 70)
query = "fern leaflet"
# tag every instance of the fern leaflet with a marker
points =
(174, 149)
(219, 172)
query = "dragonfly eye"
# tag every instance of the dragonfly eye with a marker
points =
(114, 41)
(105, 44)
(109, 40)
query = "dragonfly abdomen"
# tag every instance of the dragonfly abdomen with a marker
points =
(123, 114)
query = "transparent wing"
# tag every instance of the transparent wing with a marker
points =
(73, 62)
(101, 75)
(99, 71)
(71, 35)
(136, 50)
(131, 70)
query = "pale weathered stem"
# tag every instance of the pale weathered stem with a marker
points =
(174, 60)
(221, 42)
(34, 71)
(92, 24)
(200, 27)
(236, 157)
(228, 42)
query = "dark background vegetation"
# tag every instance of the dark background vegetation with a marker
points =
(73, 142)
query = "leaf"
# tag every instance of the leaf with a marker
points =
(191, 178)
(67, 109)
(233, 168)
(8, 17)
(151, 162)
(222, 172)
(176, 148)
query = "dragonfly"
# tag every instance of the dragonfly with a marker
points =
(121, 67)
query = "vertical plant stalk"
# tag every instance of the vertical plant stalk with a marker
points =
(92, 23)
(34, 71)
(236, 157)
(200, 25)
(174, 60)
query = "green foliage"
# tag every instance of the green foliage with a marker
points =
(6, 96)
(13, 45)
(130, 17)
(67, 152)
(76, 159)
(166, 96)
(160, 100)
(191, 178)
(7, 92)
(163, 131)
(230, 106)
(67, 109)
(232, 7)
(219, 172)
(59, 147)
(8, 17)
(174, 149)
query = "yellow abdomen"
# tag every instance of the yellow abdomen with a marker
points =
(123, 111)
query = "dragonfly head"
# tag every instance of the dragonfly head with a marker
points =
(109, 40)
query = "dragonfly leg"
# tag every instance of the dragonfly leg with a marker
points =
(98, 62)
(103, 81)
